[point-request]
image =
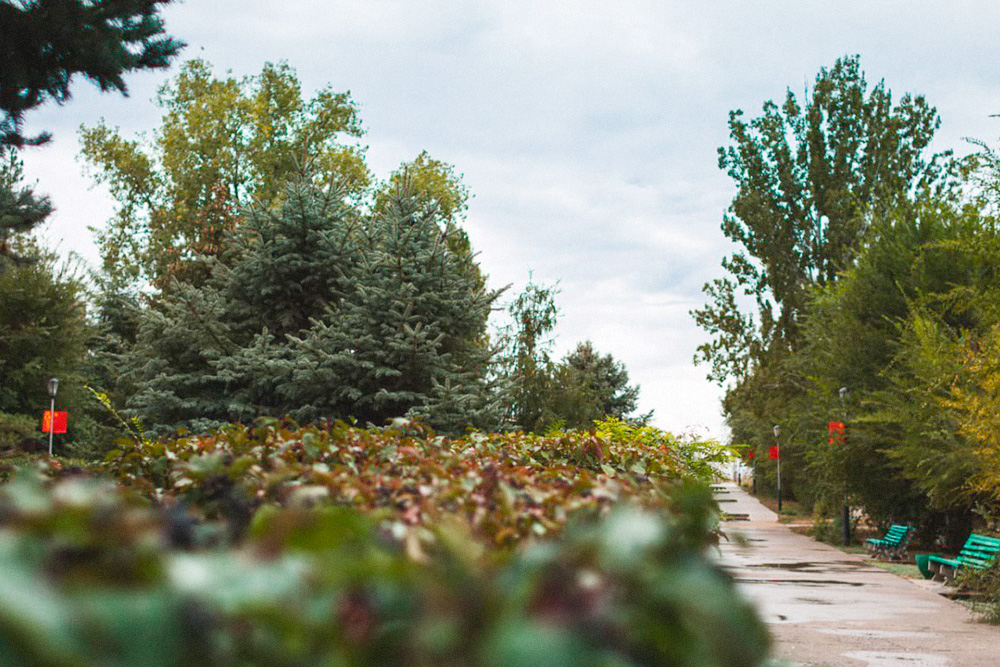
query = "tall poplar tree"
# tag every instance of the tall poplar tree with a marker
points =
(810, 176)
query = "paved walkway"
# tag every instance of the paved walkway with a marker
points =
(826, 608)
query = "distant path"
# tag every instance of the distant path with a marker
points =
(826, 608)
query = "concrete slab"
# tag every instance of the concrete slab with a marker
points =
(826, 608)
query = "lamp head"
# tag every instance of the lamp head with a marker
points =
(843, 392)
(777, 431)
(53, 387)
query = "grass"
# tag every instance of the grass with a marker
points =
(905, 570)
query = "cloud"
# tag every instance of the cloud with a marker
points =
(587, 131)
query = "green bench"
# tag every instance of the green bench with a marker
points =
(979, 552)
(893, 545)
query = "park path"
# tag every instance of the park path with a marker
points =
(826, 608)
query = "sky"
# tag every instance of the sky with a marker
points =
(586, 131)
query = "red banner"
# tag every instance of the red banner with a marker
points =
(57, 425)
(750, 455)
(775, 452)
(837, 432)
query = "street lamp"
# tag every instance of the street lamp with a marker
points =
(777, 442)
(53, 389)
(846, 512)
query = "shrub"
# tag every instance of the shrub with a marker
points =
(18, 432)
(986, 583)
(504, 487)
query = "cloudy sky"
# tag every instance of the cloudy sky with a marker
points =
(587, 131)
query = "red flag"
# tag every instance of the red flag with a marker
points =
(774, 452)
(837, 432)
(57, 425)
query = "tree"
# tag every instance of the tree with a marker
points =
(322, 309)
(591, 386)
(525, 360)
(44, 44)
(810, 177)
(890, 330)
(813, 176)
(20, 209)
(224, 144)
(539, 393)
(43, 331)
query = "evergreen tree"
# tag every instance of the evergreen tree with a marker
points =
(43, 331)
(602, 386)
(538, 393)
(525, 367)
(44, 44)
(321, 310)
(20, 209)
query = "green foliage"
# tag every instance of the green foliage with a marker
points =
(42, 331)
(986, 584)
(20, 209)
(92, 575)
(321, 309)
(18, 432)
(539, 394)
(224, 144)
(810, 177)
(525, 360)
(700, 458)
(590, 386)
(44, 44)
(505, 487)
(871, 267)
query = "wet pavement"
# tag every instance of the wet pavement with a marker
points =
(826, 608)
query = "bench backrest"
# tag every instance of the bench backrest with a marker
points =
(896, 534)
(979, 550)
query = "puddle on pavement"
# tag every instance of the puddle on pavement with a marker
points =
(878, 634)
(803, 566)
(885, 659)
(798, 582)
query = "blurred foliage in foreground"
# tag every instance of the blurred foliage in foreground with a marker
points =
(97, 574)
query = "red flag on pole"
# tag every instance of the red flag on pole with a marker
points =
(837, 432)
(54, 425)
(774, 452)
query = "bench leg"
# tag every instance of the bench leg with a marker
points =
(945, 573)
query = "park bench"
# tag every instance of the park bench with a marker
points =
(893, 544)
(979, 552)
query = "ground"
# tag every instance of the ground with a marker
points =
(828, 608)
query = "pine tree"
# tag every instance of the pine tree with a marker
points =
(44, 44)
(20, 209)
(323, 311)
(42, 330)
(604, 383)
(409, 331)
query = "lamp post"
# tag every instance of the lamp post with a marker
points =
(53, 389)
(777, 442)
(846, 516)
